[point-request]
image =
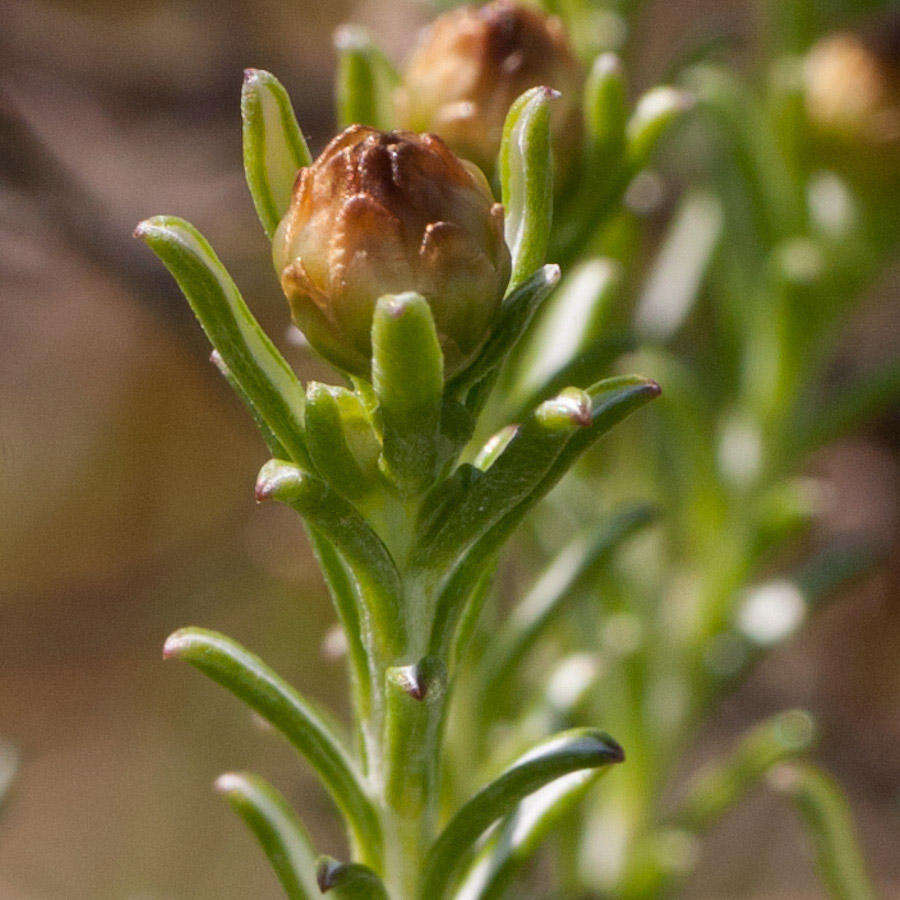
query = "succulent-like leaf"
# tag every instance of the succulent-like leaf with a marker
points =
(828, 821)
(521, 834)
(328, 444)
(412, 723)
(274, 147)
(572, 323)
(408, 379)
(515, 315)
(725, 781)
(570, 751)
(348, 881)
(374, 572)
(605, 111)
(526, 179)
(610, 402)
(277, 828)
(513, 475)
(655, 112)
(251, 680)
(266, 380)
(365, 80)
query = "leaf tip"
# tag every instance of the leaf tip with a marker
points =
(327, 870)
(228, 783)
(176, 643)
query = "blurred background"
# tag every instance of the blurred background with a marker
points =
(126, 468)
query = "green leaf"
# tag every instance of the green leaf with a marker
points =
(272, 442)
(365, 80)
(526, 179)
(334, 417)
(408, 378)
(654, 114)
(828, 821)
(570, 751)
(522, 833)
(346, 603)
(605, 111)
(277, 828)
(9, 765)
(274, 147)
(515, 316)
(556, 587)
(373, 569)
(610, 402)
(512, 476)
(574, 321)
(726, 781)
(348, 880)
(252, 681)
(412, 723)
(266, 381)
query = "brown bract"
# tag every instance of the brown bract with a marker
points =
(473, 62)
(386, 212)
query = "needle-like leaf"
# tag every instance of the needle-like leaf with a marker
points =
(274, 147)
(408, 378)
(723, 784)
(526, 179)
(266, 380)
(570, 751)
(348, 881)
(251, 680)
(365, 80)
(361, 549)
(520, 835)
(277, 828)
(829, 823)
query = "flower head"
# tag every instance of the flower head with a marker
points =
(385, 212)
(470, 66)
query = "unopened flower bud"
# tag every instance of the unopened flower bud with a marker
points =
(473, 62)
(382, 213)
(852, 85)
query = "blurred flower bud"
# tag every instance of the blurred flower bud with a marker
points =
(852, 85)
(473, 62)
(381, 213)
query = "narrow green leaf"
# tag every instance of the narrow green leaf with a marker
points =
(362, 550)
(605, 111)
(829, 823)
(408, 378)
(526, 179)
(276, 826)
(513, 475)
(522, 833)
(557, 586)
(346, 603)
(570, 751)
(365, 80)
(347, 881)
(252, 681)
(274, 147)
(9, 764)
(328, 440)
(272, 442)
(572, 322)
(610, 402)
(726, 781)
(266, 380)
(413, 716)
(655, 112)
(515, 316)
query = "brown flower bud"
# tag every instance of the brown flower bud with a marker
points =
(381, 213)
(852, 84)
(473, 62)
